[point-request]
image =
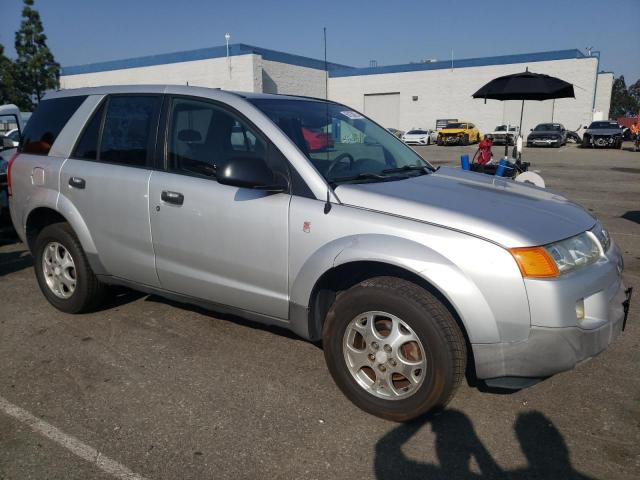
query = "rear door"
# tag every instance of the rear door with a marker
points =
(225, 244)
(107, 178)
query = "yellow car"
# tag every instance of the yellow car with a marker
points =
(459, 133)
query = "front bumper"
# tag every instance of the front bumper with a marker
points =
(542, 142)
(557, 341)
(421, 141)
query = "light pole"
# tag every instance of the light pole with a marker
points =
(227, 37)
(594, 53)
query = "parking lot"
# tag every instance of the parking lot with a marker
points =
(159, 390)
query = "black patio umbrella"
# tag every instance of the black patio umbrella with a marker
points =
(525, 86)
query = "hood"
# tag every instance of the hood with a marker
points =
(504, 211)
(416, 135)
(545, 133)
(604, 131)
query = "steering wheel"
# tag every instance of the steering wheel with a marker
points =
(337, 160)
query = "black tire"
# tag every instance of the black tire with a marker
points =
(431, 321)
(89, 291)
(439, 141)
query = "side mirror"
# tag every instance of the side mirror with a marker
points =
(531, 129)
(249, 172)
(6, 142)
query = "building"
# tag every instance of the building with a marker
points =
(399, 96)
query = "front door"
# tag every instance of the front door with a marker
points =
(224, 244)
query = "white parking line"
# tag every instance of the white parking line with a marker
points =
(75, 446)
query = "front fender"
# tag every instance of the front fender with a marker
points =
(452, 282)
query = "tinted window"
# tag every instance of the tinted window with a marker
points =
(126, 136)
(417, 132)
(203, 136)
(87, 147)
(46, 123)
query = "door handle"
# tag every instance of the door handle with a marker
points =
(77, 182)
(172, 197)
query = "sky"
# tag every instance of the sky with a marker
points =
(390, 32)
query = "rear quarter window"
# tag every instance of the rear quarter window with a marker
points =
(47, 122)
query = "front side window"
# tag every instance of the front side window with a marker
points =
(342, 144)
(202, 136)
(47, 122)
(129, 124)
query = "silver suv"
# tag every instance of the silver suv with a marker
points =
(303, 213)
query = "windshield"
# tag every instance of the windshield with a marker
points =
(345, 146)
(456, 125)
(548, 127)
(503, 128)
(595, 125)
(417, 132)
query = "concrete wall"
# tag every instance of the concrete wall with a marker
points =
(603, 94)
(280, 77)
(246, 74)
(446, 93)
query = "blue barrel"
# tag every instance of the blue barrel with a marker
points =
(501, 167)
(464, 162)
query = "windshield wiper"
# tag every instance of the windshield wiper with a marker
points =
(406, 168)
(364, 176)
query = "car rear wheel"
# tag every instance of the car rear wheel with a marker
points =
(393, 348)
(63, 272)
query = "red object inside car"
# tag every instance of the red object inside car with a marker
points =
(317, 140)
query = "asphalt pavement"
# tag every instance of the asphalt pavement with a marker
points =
(146, 388)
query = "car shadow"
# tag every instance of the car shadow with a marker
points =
(217, 315)
(11, 262)
(456, 444)
(632, 216)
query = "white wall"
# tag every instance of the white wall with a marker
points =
(603, 94)
(292, 79)
(447, 94)
(214, 73)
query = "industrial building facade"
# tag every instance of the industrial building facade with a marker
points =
(398, 96)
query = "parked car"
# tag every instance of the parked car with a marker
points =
(8, 142)
(405, 272)
(603, 134)
(14, 136)
(547, 135)
(500, 135)
(396, 132)
(418, 137)
(459, 133)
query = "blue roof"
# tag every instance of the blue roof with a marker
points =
(201, 54)
(461, 63)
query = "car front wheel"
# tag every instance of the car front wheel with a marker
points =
(393, 348)
(63, 272)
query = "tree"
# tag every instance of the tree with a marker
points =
(622, 102)
(634, 93)
(36, 69)
(9, 91)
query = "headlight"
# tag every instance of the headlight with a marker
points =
(574, 252)
(557, 258)
(602, 235)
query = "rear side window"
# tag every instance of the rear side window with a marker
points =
(128, 127)
(45, 124)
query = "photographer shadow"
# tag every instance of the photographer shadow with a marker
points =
(457, 444)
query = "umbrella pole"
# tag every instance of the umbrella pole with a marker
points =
(521, 112)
